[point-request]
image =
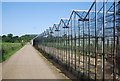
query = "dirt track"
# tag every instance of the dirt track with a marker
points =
(28, 64)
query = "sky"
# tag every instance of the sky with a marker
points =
(21, 18)
(48, 0)
(0, 18)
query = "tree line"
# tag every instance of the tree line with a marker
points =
(16, 39)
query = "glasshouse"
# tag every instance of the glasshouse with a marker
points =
(87, 43)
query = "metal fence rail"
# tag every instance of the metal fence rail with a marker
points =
(87, 43)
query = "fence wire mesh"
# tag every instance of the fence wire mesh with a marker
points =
(87, 43)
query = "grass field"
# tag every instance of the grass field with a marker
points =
(8, 49)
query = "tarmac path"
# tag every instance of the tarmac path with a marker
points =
(28, 64)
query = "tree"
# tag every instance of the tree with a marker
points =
(26, 38)
(10, 35)
(3, 36)
(16, 39)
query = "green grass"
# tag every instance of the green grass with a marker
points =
(9, 49)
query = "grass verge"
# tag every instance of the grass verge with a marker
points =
(9, 49)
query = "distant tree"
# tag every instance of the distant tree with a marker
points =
(26, 38)
(0, 38)
(10, 35)
(16, 39)
(3, 36)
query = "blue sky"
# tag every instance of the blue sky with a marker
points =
(21, 18)
(0, 18)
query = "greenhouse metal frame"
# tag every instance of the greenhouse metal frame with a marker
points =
(88, 42)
